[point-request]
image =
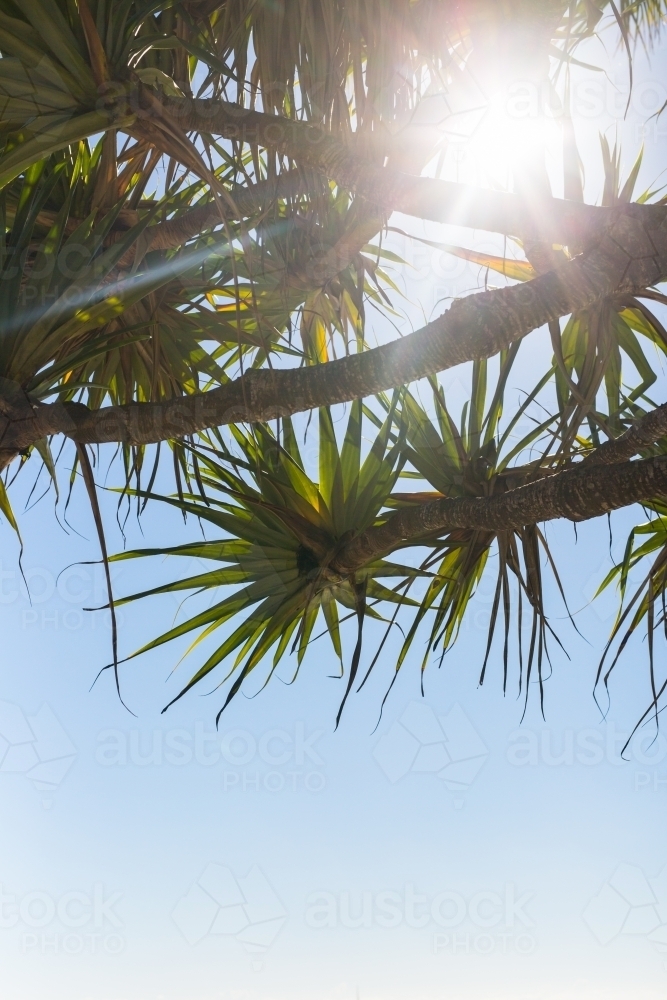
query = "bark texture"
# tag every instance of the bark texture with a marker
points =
(577, 494)
(645, 432)
(627, 259)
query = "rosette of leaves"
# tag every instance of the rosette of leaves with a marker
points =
(68, 69)
(307, 268)
(74, 324)
(594, 348)
(474, 458)
(278, 532)
(83, 228)
(600, 349)
(62, 261)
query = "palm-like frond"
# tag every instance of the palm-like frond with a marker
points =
(596, 347)
(473, 459)
(282, 532)
(77, 323)
(645, 19)
(646, 606)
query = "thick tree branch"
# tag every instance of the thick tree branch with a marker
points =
(577, 494)
(629, 258)
(646, 431)
(247, 201)
(550, 220)
(243, 202)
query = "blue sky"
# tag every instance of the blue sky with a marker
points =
(151, 858)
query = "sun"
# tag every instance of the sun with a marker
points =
(510, 143)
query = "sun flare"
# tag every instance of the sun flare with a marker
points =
(505, 142)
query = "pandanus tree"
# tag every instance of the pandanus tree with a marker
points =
(194, 199)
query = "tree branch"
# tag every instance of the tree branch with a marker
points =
(646, 431)
(550, 220)
(631, 257)
(243, 202)
(577, 494)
